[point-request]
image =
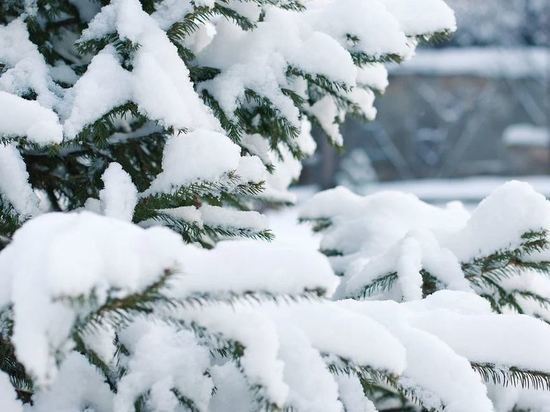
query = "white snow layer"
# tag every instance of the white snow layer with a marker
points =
(119, 196)
(20, 117)
(429, 343)
(221, 271)
(208, 157)
(65, 256)
(14, 182)
(394, 232)
(8, 397)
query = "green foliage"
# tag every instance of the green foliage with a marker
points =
(9, 222)
(207, 235)
(8, 361)
(488, 274)
(513, 376)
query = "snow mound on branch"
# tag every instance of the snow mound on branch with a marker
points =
(392, 232)
(163, 360)
(208, 157)
(77, 383)
(104, 86)
(8, 397)
(375, 222)
(162, 87)
(456, 328)
(26, 68)
(352, 395)
(374, 75)
(219, 217)
(14, 182)
(500, 220)
(274, 269)
(20, 117)
(377, 32)
(67, 256)
(216, 216)
(119, 197)
(422, 16)
(268, 330)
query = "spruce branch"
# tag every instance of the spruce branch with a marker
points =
(192, 21)
(319, 224)
(207, 235)
(9, 364)
(259, 115)
(380, 284)
(513, 376)
(372, 379)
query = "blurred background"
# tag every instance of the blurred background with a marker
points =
(460, 117)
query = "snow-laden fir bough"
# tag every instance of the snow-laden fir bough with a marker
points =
(135, 132)
(391, 245)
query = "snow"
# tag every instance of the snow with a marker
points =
(101, 342)
(474, 334)
(189, 214)
(67, 393)
(287, 344)
(374, 222)
(281, 302)
(14, 182)
(312, 386)
(232, 389)
(168, 12)
(209, 156)
(253, 329)
(104, 86)
(327, 113)
(162, 88)
(159, 82)
(251, 169)
(457, 386)
(377, 30)
(351, 394)
(325, 326)
(392, 232)
(8, 397)
(499, 221)
(162, 360)
(287, 168)
(526, 135)
(26, 68)
(65, 256)
(422, 16)
(216, 216)
(506, 399)
(273, 268)
(364, 99)
(451, 336)
(373, 75)
(330, 329)
(63, 73)
(119, 196)
(20, 117)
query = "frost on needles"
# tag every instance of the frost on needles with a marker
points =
(137, 135)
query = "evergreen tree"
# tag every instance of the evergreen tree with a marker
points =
(391, 245)
(133, 132)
